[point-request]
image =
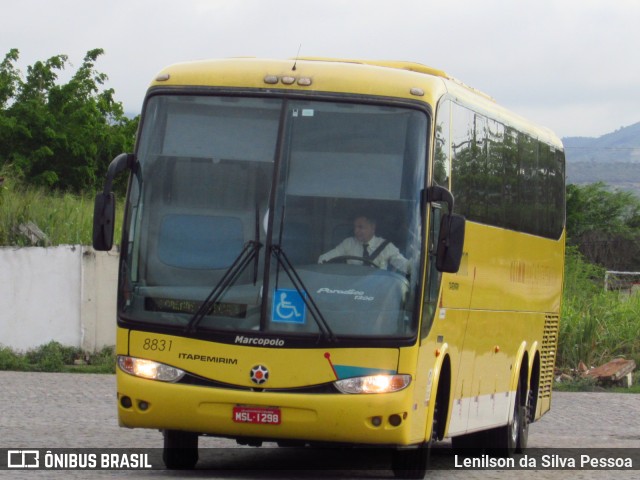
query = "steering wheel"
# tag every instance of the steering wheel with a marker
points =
(344, 258)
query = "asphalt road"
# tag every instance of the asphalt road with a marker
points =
(53, 411)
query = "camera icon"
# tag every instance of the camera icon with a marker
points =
(23, 459)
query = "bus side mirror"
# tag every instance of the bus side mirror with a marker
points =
(104, 210)
(451, 238)
(104, 215)
(450, 243)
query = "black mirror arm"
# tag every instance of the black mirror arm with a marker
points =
(436, 193)
(118, 165)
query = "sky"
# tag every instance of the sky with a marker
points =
(570, 65)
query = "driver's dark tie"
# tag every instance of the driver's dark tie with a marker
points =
(365, 251)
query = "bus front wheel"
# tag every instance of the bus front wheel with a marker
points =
(180, 450)
(414, 462)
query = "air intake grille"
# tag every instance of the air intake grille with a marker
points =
(548, 360)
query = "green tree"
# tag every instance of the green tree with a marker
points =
(604, 225)
(9, 83)
(9, 78)
(60, 135)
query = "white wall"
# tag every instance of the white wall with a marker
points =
(65, 293)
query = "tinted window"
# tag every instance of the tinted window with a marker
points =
(504, 177)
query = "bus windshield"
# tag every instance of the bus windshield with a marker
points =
(293, 217)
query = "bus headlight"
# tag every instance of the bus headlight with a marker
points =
(141, 367)
(374, 384)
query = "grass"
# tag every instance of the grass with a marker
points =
(65, 218)
(596, 326)
(584, 384)
(54, 357)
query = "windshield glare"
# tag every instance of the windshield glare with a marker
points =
(328, 192)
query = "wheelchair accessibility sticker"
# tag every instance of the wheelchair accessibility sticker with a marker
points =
(288, 307)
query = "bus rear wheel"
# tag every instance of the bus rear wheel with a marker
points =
(525, 414)
(180, 450)
(505, 441)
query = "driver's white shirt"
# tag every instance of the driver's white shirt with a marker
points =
(352, 247)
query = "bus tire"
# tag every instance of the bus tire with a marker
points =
(469, 444)
(525, 414)
(180, 450)
(505, 441)
(414, 462)
(411, 463)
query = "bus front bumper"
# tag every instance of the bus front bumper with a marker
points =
(366, 419)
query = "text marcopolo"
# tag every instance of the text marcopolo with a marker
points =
(265, 342)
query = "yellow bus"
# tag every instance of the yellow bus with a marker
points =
(248, 307)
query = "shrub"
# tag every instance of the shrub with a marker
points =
(11, 361)
(55, 357)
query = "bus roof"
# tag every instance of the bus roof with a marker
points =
(405, 65)
(324, 75)
(383, 78)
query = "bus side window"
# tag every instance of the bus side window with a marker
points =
(442, 155)
(433, 276)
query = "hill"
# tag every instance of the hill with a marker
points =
(613, 158)
(621, 146)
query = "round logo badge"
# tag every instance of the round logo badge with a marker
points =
(259, 374)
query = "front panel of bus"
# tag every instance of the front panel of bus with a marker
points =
(228, 322)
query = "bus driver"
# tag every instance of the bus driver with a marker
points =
(365, 244)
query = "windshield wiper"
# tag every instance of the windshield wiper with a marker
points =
(298, 284)
(248, 253)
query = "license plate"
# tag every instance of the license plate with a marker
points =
(257, 415)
